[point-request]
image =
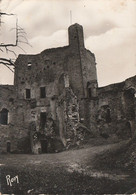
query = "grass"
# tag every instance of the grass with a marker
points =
(69, 172)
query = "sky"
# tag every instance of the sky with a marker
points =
(109, 32)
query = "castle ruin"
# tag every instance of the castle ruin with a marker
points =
(55, 102)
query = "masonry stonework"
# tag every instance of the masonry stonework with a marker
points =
(55, 102)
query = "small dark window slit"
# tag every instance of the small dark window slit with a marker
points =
(42, 92)
(28, 93)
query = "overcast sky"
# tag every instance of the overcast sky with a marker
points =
(109, 31)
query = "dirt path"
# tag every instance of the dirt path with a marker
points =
(66, 172)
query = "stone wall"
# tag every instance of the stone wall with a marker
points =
(13, 137)
(117, 109)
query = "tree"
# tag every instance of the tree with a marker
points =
(20, 37)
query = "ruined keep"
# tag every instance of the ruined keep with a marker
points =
(55, 102)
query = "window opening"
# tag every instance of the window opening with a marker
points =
(4, 116)
(8, 146)
(89, 92)
(108, 115)
(42, 120)
(42, 92)
(29, 65)
(28, 93)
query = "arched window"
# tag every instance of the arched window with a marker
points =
(4, 116)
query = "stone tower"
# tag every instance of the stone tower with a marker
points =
(76, 37)
(83, 68)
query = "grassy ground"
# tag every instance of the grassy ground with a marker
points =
(69, 172)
